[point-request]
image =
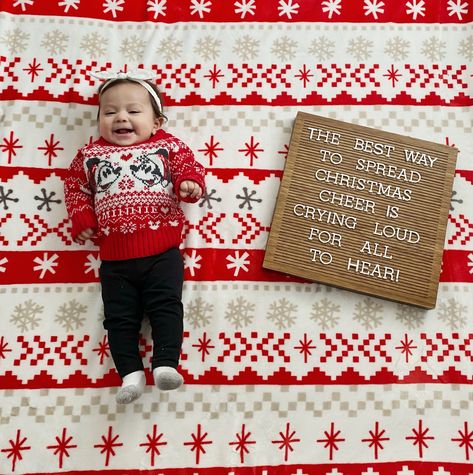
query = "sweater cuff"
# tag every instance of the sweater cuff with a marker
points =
(83, 221)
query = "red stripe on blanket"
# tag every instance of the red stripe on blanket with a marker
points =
(402, 98)
(46, 380)
(53, 267)
(263, 11)
(388, 468)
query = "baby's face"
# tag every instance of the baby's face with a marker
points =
(126, 115)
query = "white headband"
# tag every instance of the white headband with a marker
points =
(139, 76)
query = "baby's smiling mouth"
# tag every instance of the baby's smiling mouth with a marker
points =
(123, 131)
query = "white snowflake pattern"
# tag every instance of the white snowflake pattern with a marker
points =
(23, 4)
(246, 47)
(332, 7)
(128, 228)
(55, 42)
(281, 313)
(46, 264)
(458, 8)
(244, 7)
(415, 8)
(434, 48)
(113, 6)
(322, 48)
(94, 44)
(286, 7)
(325, 313)
(70, 316)
(284, 48)
(170, 48)
(200, 7)
(466, 48)
(208, 47)
(198, 313)
(16, 40)
(25, 315)
(192, 262)
(133, 48)
(410, 317)
(368, 313)
(373, 7)
(238, 262)
(158, 7)
(3, 261)
(240, 312)
(397, 48)
(67, 4)
(470, 263)
(360, 48)
(453, 314)
(92, 265)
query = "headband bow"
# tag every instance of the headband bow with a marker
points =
(138, 75)
(134, 74)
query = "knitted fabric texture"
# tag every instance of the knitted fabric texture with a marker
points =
(129, 195)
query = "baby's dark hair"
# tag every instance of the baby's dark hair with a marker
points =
(157, 111)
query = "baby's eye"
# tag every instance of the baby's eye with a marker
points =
(135, 112)
(109, 113)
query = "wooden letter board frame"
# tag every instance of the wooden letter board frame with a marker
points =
(357, 228)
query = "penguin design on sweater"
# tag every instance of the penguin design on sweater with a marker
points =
(153, 168)
(103, 173)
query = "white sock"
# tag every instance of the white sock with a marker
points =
(167, 378)
(132, 387)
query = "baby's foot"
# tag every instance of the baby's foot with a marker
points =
(132, 387)
(167, 378)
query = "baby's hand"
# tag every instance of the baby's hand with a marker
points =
(84, 235)
(190, 189)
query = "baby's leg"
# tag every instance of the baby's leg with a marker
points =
(123, 315)
(162, 303)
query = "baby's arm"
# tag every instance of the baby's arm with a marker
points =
(190, 189)
(188, 175)
(79, 201)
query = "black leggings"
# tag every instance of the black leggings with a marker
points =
(134, 287)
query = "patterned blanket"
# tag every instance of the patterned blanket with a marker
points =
(282, 376)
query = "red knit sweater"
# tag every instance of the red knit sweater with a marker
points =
(130, 195)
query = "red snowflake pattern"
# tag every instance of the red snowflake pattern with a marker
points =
(62, 446)
(203, 346)
(214, 75)
(251, 150)
(406, 347)
(466, 440)
(3, 348)
(50, 148)
(242, 442)
(16, 447)
(108, 446)
(286, 441)
(198, 442)
(154, 441)
(331, 440)
(211, 149)
(305, 347)
(10, 145)
(376, 439)
(103, 349)
(419, 438)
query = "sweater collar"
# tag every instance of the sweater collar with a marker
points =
(160, 134)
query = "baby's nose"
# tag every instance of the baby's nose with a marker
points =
(121, 116)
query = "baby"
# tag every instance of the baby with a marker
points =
(123, 192)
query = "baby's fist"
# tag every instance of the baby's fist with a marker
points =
(190, 189)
